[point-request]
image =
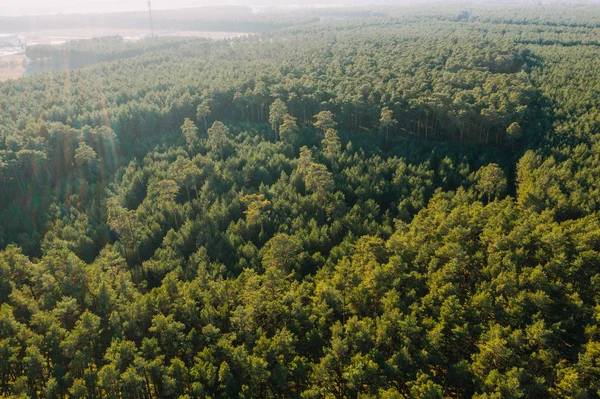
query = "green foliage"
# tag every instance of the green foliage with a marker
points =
(277, 112)
(491, 181)
(217, 136)
(288, 130)
(324, 120)
(423, 224)
(190, 132)
(202, 112)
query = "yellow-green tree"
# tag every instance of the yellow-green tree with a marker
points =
(217, 136)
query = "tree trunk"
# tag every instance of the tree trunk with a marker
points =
(387, 134)
(18, 182)
(133, 240)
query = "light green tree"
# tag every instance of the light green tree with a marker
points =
(332, 146)
(202, 112)
(288, 129)
(277, 113)
(324, 120)
(190, 131)
(85, 155)
(491, 181)
(386, 121)
(217, 136)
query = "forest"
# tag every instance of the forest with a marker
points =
(404, 204)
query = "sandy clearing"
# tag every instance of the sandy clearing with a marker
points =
(12, 67)
(63, 35)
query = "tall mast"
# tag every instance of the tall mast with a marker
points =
(150, 12)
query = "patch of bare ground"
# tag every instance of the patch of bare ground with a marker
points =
(64, 35)
(12, 67)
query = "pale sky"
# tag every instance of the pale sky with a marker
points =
(27, 7)
(37, 7)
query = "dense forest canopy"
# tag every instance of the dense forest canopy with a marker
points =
(401, 204)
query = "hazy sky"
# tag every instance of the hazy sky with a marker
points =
(24, 7)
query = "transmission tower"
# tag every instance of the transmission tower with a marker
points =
(150, 12)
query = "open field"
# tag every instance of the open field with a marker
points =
(11, 67)
(63, 35)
